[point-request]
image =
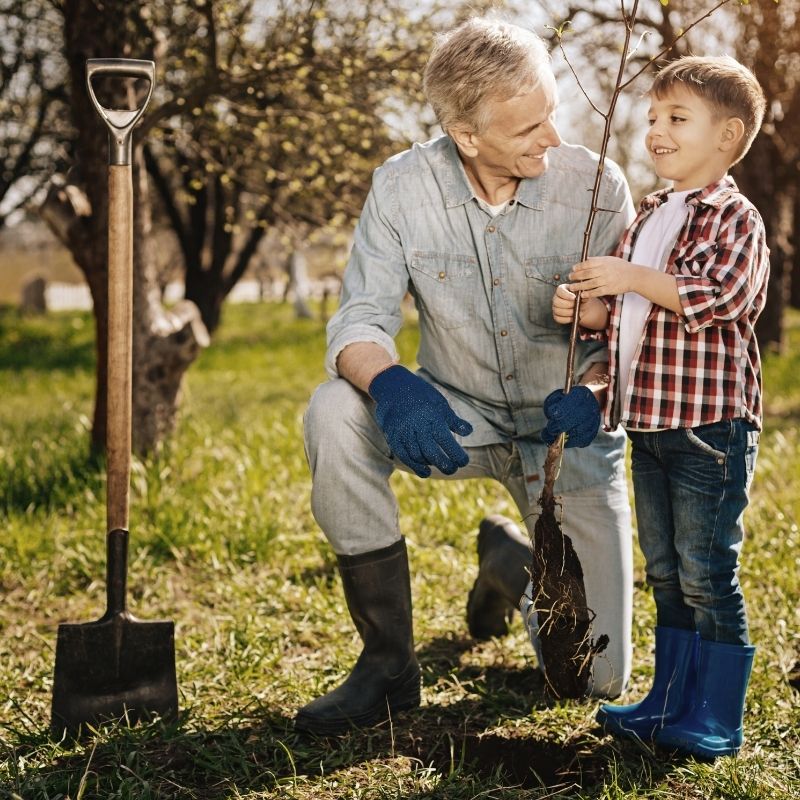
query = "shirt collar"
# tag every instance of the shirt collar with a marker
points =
(714, 195)
(458, 189)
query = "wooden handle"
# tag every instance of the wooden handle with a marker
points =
(120, 322)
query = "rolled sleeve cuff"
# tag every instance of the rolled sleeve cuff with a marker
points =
(357, 333)
(588, 335)
(698, 300)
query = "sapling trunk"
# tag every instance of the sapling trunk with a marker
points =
(567, 640)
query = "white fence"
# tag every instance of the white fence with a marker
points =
(76, 297)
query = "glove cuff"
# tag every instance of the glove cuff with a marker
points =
(387, 380)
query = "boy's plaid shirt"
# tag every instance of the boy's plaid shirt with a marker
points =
(703, 366)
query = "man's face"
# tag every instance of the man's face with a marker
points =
(520, 132)
(684, 139)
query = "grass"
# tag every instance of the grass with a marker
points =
(223, 543)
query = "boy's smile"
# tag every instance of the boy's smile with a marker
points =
(688, 142)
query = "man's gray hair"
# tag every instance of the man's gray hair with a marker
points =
(481, 59)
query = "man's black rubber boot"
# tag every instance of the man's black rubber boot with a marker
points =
(386, 677)
(504, 556)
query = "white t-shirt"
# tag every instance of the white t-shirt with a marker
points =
(653, 246)
(492, 210)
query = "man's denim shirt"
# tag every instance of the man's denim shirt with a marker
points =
(483, 288)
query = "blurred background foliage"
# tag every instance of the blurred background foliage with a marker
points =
(269, 117)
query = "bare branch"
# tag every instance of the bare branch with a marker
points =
(559, 38)
(672, 44)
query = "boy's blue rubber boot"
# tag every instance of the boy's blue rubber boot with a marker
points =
(671, 694)
(712, 726)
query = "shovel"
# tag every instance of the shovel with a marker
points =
(117, 668)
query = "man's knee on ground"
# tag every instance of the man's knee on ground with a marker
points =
(330, 413)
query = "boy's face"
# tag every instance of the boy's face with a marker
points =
(520, 132)
(688, 144)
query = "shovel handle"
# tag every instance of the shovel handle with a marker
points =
(120, 123)
(116, 572)
(120, 339)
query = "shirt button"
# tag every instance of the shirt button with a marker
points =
(442, 275)
(557, 276)
(496, 281)
(509, 377)
(504, 333)
(491, 229)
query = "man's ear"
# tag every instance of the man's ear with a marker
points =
(465, 140)
(732, 134)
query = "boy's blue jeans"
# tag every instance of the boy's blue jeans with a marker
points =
(691, 488)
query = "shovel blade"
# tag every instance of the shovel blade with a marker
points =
(118, 668)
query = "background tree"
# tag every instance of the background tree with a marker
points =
(257, 122)
(765, 36)
(768, 41)
(164, 342)
(290, 139)
(32, 137)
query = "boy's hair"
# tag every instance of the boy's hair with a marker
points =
(478, 60)
(726, 85)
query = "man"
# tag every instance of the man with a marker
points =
(480, 225)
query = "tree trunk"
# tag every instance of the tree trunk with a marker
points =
(204, 289)
(298, 284)
(759, 177)
(164, 342)
(768, 174)
(794, 289)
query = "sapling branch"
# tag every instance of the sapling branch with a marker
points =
(558, 593)
(629, 21)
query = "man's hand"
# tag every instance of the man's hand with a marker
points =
(417, 422)
(577, 414)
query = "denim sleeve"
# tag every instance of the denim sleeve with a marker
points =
(375, 279)
(616, 212)
(609, 228)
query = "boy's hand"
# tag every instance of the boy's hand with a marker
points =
(577, 414)
(593, 315)
(602, 275)
(563, 304)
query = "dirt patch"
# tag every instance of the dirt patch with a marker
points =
(524, 762)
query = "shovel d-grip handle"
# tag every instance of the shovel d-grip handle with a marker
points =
(120, 122)
(120, 282)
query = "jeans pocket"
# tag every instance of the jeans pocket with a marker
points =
(694, 434)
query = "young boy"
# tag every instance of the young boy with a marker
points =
(678, 306)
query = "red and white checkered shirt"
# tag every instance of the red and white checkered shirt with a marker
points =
(702, 366)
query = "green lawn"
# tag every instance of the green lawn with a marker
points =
(223, 543)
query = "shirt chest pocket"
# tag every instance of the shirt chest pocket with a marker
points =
(445, 287)
(542, 276)
(691, 257)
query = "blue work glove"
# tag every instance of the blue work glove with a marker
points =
(577, 414)
(416, 420)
